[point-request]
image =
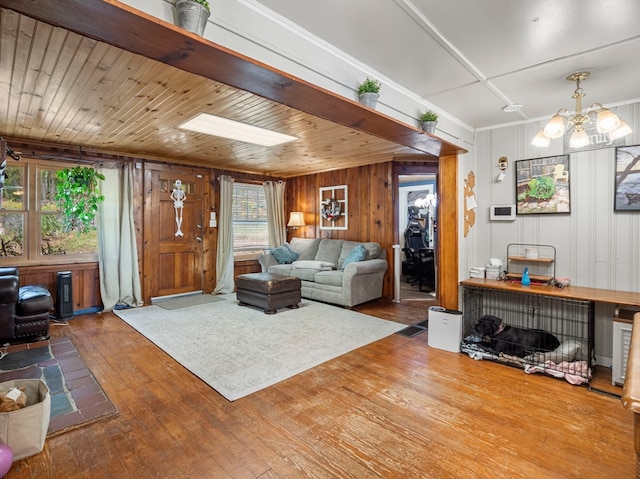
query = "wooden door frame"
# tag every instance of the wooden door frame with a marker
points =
(149, 168)
(447, 232)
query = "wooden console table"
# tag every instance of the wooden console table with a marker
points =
(608, 296)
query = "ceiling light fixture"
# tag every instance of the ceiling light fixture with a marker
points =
(235, 130)
(512, 107)
(607, 122)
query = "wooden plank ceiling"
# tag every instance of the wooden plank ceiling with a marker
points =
(60, 87)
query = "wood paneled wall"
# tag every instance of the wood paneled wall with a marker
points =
(372, 216)
(370, 206)
(371, 210)
(85, 279)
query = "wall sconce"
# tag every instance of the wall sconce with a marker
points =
(296, 220)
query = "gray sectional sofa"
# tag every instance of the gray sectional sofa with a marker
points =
(334, 271)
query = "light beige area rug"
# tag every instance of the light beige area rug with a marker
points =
(239, 350)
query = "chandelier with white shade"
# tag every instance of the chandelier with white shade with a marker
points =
(607, 122)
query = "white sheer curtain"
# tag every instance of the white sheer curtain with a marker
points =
(274, 193)
(117, 251)
(224, 254)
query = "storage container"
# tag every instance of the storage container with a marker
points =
(25, 430)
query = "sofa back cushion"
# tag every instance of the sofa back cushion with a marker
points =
(305, 247)
(373, 251)
(329, 250)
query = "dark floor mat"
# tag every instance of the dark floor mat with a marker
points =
(414, 329)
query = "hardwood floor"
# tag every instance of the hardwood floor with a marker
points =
(394, 409)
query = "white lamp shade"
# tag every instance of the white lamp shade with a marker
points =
(579, 139)
(623, 130)
(541, 140)
(607, 121)
(555, 127)
(296, 219)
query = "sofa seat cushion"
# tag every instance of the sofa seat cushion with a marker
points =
(329, 250)
(330, 278)
(305, 247)
(283, 269)
(312, 264)
(305, 274)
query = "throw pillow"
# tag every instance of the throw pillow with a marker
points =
(359, 253)
(284, 254)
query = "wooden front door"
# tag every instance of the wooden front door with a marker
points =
(173, 231)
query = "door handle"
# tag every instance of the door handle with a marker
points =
(198, 239)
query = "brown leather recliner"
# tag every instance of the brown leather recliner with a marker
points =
(24, 310)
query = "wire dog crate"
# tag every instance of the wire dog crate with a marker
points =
(569, 320)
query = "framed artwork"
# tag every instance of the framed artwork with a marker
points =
(542, 185)
(627, 187)
(334, 205)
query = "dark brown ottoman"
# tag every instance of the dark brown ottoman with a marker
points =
(268, 291)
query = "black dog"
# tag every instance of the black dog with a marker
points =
(514, 341)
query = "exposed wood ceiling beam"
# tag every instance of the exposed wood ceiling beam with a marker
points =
(135, 31)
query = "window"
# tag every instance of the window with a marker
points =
(31, 227)
(250, 227)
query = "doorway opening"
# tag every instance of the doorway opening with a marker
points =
(417, 236)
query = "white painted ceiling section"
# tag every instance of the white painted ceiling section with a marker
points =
(466, 59)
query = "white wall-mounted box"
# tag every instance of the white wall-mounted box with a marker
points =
(502, 212)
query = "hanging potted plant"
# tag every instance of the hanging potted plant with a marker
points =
(428, 121)
(78, 196)
(369, 92)
(193, 15)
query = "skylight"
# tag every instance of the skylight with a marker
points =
(234, 130)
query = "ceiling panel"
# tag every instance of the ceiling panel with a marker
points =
(502, 36)
(468, 58)
(443, 50)
(64, 88)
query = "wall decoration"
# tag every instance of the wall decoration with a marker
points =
(470, 204)
(334, 208)
(627, 187)
(178, 196)
(330, 209)
(542, 185)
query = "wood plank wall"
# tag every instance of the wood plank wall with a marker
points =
(85, 279)
(372, 200)
(370, 206)
(371, 211)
